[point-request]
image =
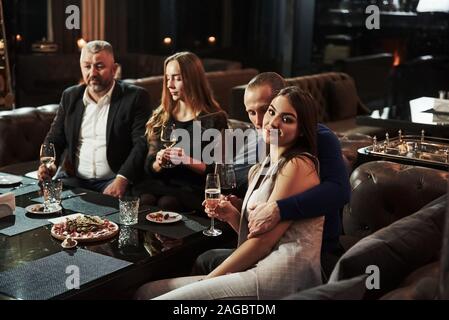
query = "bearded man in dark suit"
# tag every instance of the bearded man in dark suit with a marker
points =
(101, 124)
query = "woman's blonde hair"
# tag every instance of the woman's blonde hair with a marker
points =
(197, 92)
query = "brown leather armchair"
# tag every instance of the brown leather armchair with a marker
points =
(384, 192)
(395, 220)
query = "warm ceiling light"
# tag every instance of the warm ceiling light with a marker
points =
(18, 37)
(81, 43)
(212, 40)
(167, 41)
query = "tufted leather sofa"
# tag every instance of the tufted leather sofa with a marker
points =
(336, 94)
(22, 132)
(396, 219)
(384, 192)
(221, 83)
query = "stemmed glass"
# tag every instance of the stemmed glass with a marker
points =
(47, 154)
(212, 195)
(168, 139)
(227, 178)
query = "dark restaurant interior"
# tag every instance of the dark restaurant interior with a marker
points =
(95, 85)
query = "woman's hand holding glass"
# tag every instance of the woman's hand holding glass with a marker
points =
(224, 211)
(174, 156)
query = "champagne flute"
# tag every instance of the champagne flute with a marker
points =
(47, 155)
(168, 139)
(212, 195)
(227, 178)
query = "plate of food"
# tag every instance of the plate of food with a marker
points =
(164, 217)
(85, 228)
(39, 209)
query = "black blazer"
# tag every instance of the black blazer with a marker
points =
(126, 146)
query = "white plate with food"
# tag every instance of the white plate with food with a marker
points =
(8, 180)
(85, 228)
(39, 209)
(164, 217)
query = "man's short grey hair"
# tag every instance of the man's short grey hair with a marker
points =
(99, 45)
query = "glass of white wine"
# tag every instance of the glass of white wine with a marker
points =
(47, 155)
(212, 194)
(168, 139)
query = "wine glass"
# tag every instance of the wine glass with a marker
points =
(47, 155)
(168, 139)
(227, 178)
(212, 195)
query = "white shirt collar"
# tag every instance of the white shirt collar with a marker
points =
(106, 99)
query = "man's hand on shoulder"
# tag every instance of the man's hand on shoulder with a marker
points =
(263, 217)
(117, 188)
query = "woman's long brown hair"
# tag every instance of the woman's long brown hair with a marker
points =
(307, 118)
(197, 92)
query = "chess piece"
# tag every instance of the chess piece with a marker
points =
(374, 144)
(422, 140)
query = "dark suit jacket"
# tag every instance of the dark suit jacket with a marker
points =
(126, 146)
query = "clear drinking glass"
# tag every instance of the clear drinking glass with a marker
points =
(129, 210)
(128, 237)
(212, 194)
(168, 139)
(52, 190)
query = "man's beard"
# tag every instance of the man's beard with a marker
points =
(101, 85)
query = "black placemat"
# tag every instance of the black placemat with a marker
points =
(48, 277)
(189, 225)
(92, 203)
(27, 185)
(21, 222)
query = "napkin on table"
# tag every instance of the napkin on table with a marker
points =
(7, 204)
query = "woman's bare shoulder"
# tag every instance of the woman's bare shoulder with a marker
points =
(300, 165)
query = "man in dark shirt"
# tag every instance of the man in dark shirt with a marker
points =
(328, 198)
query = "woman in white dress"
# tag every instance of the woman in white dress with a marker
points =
(287, 258)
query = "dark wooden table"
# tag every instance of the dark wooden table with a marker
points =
(153, 257)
